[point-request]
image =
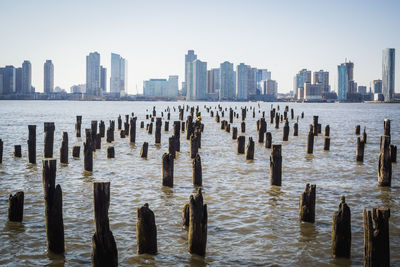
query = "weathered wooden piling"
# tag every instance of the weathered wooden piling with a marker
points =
(277, 121)
(78, 126)
(94, 133)
(228, 128)
(53, 207)
(87, 157)
(243, 114)
(243, 127)
(271, 116)
(230, 115)
(98, 141)
(194, 146)
(341, 231)
(181, 112)
(275, 165)
(17, 151)
(197, 174)
(150, 131)
(234, 133)
(385, 163)
(327, 130)
(16, 207)
(158, 131)
(1, 151)
(268, 140)
(240, 144)
(302, 115)
(104, 248)
(292, 114)
(197, 235)
(166, 126)
(250, 149)
(315, 125)
(376, 237)
(285, 135)
(393, 153)
(32, 144)
(310, 140)
(102, 129)
(146, 231)
(172, 146)
(327, 143)
(262, 129)
(48, 139)
(132, 130)
(64, 149)
(141, 124)
(110, 135)
(143, 150)
(307, 204)
(357, 129)
(360, 150)
(364, 136)
(386, 127)
(119, 122)
(167, 170)
(76, 151)
(110, 152)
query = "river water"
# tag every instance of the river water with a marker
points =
(250, 222)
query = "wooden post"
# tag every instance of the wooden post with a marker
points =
(275, 165)
(327, 143)
(250, 149)
(285, 135)
(243, 114)
(385, 163)
(360, 150)
(234, 133)
(357, 130)
(302, 115)
(341, 231)
(194, 146)
(315, 125)
(1, 151)
(94, 134)
(110, 152)
(119, 122)
(177, 129)
(364, 136)
(296, 129)
(17, 151)
(158, 131)
(240, 144)
(16, 207)
(228, 128)
(98, 141)
(277, 121)
(102, 128)
(172, 146)
(197, 235)
(376, 237)
(110, 135)
(268, 140)
(393, 153)
(64, 149)
(132, 129)
(243, 127)
(32, 144)
(141, 124)
(327, 130)
(146, 231)
(292, 114)
(386, 126)
(167, 170)
(307, 204)
(230, 115)
(87, 157)
(197, 177)
(76, 151)
(150, 131)
(78, 126)
(104, 248)
(143, 150)
(166, 126)
(48, 139)
(53, 207)
(310, 141)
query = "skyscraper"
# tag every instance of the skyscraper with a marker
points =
(197, 80)
(388, 65)
(377, 86)
(18, 81)
(343, 82)
(48, 77)
(189, 58)
(227, 89)
(9, 80)
(262, 76)
(242, 81)
(26, 77)
(93, 74)
(118, 79)
(304, 76)
(322, 77)
(103, 79)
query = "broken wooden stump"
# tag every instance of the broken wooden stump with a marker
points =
(250, 149)
(327, 131)
(194, 146)
(357, 130)
(78, 126)
(285, 135)
(17, 151)
(1, 151)
(307, 204)
(385, 163)
(64, 149)
(132, 130)
(150, 130)
(158, 131)
(110, 152)
(76, 151)
(364, 136)
(341, 231)
(277, 121)
(110, 135)
(243, 127)
(197, 235)
(275, 165)
(234, 133)
(119, 122)
(315, 125)
(141, 124)
(98, 141)
(197, 176)
(53, 207)
(310, 140)
(143, 150)
(268, 140)
(393, 153)
(146, 231)
(241, 140)
(48, 139)
(327, 143)
(360, 150)
(166, 126)
(32, 144)
(167, 170)
(102, 128)
(376, 237)
(104, 248)
(172, 146)
(87, 157)
(296, 129)
(16, 207)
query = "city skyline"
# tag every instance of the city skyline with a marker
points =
(141, 25)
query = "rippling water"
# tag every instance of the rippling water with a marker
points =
(250, 222)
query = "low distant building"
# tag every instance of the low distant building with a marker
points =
(80, 88)
(161, 87)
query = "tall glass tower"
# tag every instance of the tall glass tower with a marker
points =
(343, 82)
(388, 63)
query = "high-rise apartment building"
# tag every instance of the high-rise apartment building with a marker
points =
(118, 79)
(262, 76)
(9, 80)
(197, 80)
(161, 87)
(242, 83)
(343, 82)
(227, 76)
(18, 81)
(388, 73)
(189, 58)
(322, 77)
(271, 87)
(377, 86)
(48, 71)
(103, 79)
(93, 74)
(26, 77)
(304, 76)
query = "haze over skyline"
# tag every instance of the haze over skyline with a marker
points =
(282, 36)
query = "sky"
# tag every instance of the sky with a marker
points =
(282, 36)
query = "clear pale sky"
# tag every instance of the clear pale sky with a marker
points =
(282, 36)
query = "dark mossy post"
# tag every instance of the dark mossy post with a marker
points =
(172, 146)
(307, 204)
(64, 149)
(364, 136)
(110, 135)
(341, 231)
(132, 129)
(268, 140)
(76, 151)
(197, 174)
(386, 127)
(17, 151)
(146, 231)
(240, 144)
(158, 131)
(250, 149)
(194, 146)
(104, 248)
(275, 165)
(285, 135)
(296, 129)
(87, 157)
(230, 115)
(243, 114)
(166, 126)
(141, 124)
(292, 114)
(150, 130)
(110, 152)
(357, 130)
(143, 150)
(167, 170)
(393, 153)
(98, 141)
(327, 131)
(32, 144)
(78, 126)
(102, 129)
(16, 207)
(376, 237)
(243, 127)
(48, 139)
(1, 151)
(310, 140)
(119, 122)
(360, 150)
(53, 207)
(197, 235)
(385, 163)
(315, 125)
(302, 115)
(234, 133)
(277, 121)
(177, 135)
